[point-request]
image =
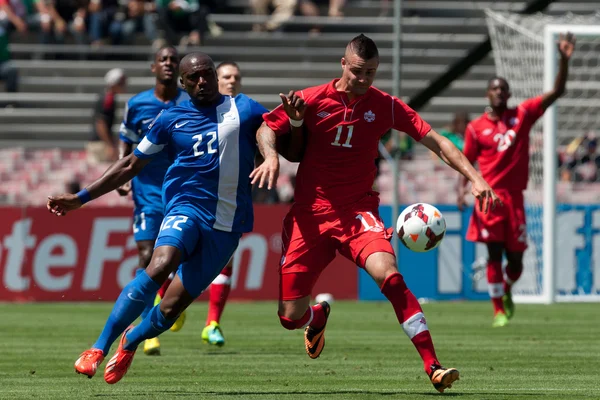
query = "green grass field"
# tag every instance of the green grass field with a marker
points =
(548, 352)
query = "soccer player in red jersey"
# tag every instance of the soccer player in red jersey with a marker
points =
(335, 209)
(499, 141)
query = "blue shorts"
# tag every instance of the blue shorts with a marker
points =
(205, 251)
(146, 225)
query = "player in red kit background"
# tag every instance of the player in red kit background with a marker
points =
(499, 141)
(335, 129)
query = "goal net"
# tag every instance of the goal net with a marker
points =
(564, 172)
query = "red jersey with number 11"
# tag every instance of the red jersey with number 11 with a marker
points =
(338, 167)
(501, 146)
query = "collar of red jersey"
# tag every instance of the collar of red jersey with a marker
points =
(332, 91)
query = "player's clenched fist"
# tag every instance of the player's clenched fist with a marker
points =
(293, 105)
(485, 195)
(61, 204)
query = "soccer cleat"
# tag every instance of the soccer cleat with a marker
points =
(88, 362)
(500, 320)
(119, 363)
(212, 334)
(152, 347)
(509, 306)
(179, 323)
(442, 378)
(314, 339)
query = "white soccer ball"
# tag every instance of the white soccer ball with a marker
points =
(421, 227)
(328, 297)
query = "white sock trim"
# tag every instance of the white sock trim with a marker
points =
(415, 325)
(312, 314)
(222, 280)
(496, 290)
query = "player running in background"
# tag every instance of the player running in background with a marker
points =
(208, 205)
(499, 141)
(146, 187)
(335, 208)
(230, 84)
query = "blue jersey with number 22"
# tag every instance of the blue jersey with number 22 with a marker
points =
(212, 149)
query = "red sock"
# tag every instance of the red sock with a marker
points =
(317, 321)
(164, 287)
(495, 285)
(319, 318)
(219, 292)
(512, 273)
(410, 315)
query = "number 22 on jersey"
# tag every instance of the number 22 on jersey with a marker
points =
(209, 145)
(348, 136)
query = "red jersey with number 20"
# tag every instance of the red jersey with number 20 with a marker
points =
(338, 167)
(501, 146)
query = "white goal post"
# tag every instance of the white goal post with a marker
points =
(525, 53)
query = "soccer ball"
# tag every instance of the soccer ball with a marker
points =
(421, 227)
(328, 297)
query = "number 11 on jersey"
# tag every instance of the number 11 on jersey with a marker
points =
(340, 129)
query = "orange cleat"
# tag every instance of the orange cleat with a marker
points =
(314, 339)
(442, 378)
(88, 362)
(119, 363)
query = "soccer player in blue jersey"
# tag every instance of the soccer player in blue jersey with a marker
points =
(146, 187)
(230, 84)
(207, 196)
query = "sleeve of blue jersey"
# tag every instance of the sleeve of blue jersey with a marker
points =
(155, 140)
(257, 111)
(127, 131)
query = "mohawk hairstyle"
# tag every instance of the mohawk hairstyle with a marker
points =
(364, 47)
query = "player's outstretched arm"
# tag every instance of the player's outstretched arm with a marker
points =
(125, 149)
(116, 175)
(457, 160)
(566, 46)
(268, 171)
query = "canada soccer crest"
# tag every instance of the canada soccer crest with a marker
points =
(369, 116)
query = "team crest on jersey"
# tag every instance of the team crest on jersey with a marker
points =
(369, 116)
(513, 121)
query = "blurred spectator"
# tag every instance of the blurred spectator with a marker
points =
(456, 131)
(141, 18)
(65, 15)
(283, 10)
(182, 16)
(8, 72)
(26, 15)
(102, 145)
(583, 166)
(310, 8)
(105, 21)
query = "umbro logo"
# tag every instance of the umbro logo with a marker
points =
(179, 125)
(323, 114)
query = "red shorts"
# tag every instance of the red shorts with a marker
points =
(505, 224)
(312, 237)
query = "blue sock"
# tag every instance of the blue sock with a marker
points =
(152, 326)
(128, 307)
(150, 303)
